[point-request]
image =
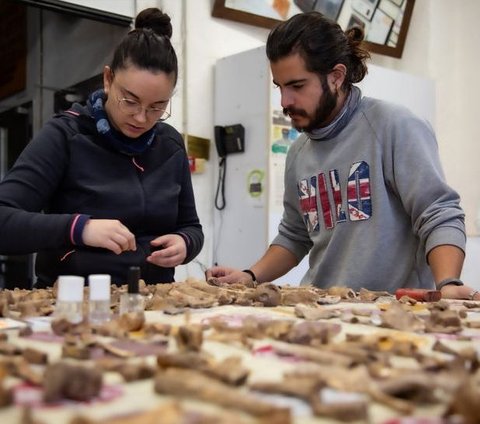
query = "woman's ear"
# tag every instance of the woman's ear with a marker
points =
(107, 79)
(336, 77)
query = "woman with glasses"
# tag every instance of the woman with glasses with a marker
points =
(107, 186)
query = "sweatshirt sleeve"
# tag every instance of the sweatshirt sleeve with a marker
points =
(25, 192)
(292, 232)
(414, 171)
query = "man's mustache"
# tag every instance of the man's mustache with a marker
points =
(292, 111)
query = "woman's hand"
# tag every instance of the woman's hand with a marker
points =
(110, 234)
(173, 251)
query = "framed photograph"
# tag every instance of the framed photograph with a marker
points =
(267, 14)
(390, 9)
(380, 28)
(355, 21)
(366, 8)
(330, 8)
(305, 5)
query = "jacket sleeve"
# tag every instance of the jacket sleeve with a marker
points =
(188, 224)
(25, 192)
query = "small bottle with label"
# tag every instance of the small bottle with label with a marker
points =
(132, 301)
(69, 303)
(99, 302)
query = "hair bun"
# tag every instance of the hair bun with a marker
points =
(355, 34)
(156, 20)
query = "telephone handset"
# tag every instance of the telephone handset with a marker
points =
(229, 139)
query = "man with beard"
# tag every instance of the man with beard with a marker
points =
(365, 194)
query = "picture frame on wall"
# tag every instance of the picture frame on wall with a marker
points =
(268, 14)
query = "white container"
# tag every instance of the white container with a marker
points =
(70, 298)
(99, 299)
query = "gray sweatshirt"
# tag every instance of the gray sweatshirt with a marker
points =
(370, 202)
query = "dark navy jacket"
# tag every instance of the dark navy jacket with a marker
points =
(69, 170)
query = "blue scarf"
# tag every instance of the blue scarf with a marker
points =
(342, 119)
(114, 138)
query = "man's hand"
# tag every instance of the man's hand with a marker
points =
(451, 291)
(110, 234)
(227, 275)
(172, 253)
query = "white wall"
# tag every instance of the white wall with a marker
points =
(442, 44)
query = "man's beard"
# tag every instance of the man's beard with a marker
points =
(326, 105)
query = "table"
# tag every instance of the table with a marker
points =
(337, 346)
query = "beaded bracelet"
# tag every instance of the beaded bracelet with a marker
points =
(448, 281)
(251, 273)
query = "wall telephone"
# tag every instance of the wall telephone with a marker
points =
(229, 139)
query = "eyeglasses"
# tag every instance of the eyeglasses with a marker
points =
(132, 107)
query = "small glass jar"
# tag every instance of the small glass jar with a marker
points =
(132, 301)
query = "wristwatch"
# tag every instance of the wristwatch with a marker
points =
(449, 281)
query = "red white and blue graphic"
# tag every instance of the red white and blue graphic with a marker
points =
(337, 196)
(358, 192)
(307, 192)
(358, 202)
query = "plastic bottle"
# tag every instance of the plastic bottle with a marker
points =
(99, 301)
(69, 303)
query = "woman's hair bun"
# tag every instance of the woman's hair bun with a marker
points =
(156, 20)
